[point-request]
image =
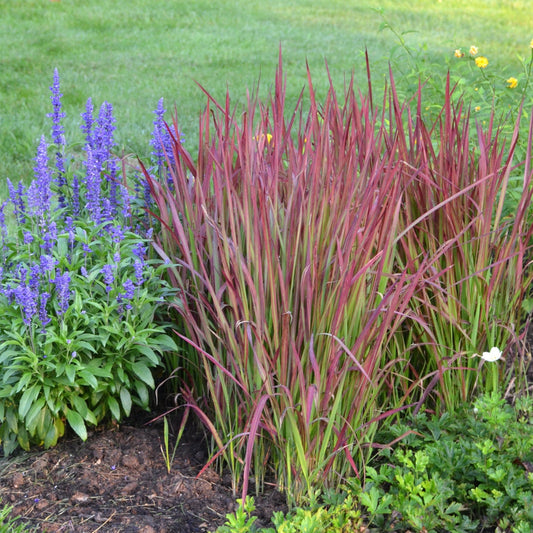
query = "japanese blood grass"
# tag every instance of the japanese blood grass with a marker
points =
(480, 273)
(302, 276)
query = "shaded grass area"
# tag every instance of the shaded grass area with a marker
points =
(133, 53)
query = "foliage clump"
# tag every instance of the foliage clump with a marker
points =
(79, 294)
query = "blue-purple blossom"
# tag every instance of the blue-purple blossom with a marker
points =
(26, 299)
(117, 233)
(107, 271)
(88, 121)
(28, 237)
(92, 185)
(3, 227)
(17, 199)
(42, 177)
(35, 277)
(58, 136)
(139, 250)
(49, 237)
(62, 282)
(56, 116)
(43, 315)
(48, 263)
(75, 200)
(138, 268)
(116, 257)
(103, 134)
(86, 249)
(126, 198)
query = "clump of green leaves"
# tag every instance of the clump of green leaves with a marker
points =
(79, 294)
(335, 513)
(458, 473)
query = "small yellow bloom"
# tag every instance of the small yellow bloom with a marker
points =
(477, 108)
(531, 44)
(473, 50)
(458, 53)
(513, 82)
(481, 62)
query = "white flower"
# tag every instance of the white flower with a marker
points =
(493, 355)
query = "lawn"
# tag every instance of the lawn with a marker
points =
(132, 53)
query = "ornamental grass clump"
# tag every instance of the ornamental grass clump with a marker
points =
(79, 295)
(311, 251)
(472, 297)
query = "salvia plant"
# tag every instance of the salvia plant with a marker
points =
(80, 298)
(336, 265)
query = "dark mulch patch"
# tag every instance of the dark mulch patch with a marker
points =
(117, 481)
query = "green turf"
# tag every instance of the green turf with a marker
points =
(132, 52)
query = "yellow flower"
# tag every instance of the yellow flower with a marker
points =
(458, 53)
(473, 50)
(531, 44)
(481, 62)
(477, 108)
(513, 82)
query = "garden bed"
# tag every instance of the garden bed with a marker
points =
(117, 481)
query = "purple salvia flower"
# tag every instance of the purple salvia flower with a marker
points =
(17, 199)
(117, 234)
(58, 136)
(129, 289)
(83, 272)
(56, 116)
(34, 200)
(49, 238)
(43, 315)
(86, 249)
(42, 176)
(107, 271)
(116, 257)
(92, 184)
(129, 293)
(139, 250)
(63, 291)
(48, 263)
(107, 210)
(3, 227)
(88, 121)
(28, 237)
(159, 135)
(35, 278)
(103, 134)
(124, 193)
(26, 299)
(113, 183)
(75, 200)
(69, 226)
(138, 268)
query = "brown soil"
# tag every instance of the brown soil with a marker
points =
(117, 481)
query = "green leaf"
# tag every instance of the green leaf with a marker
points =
(114, 407)
(70, 371)
(125, 398)
(148, 352)
(143, 373)
(142, 393)
(32, 419)
(76, 423)
(166, 341)
(89, 378)
(80, 405)
(28, 398)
